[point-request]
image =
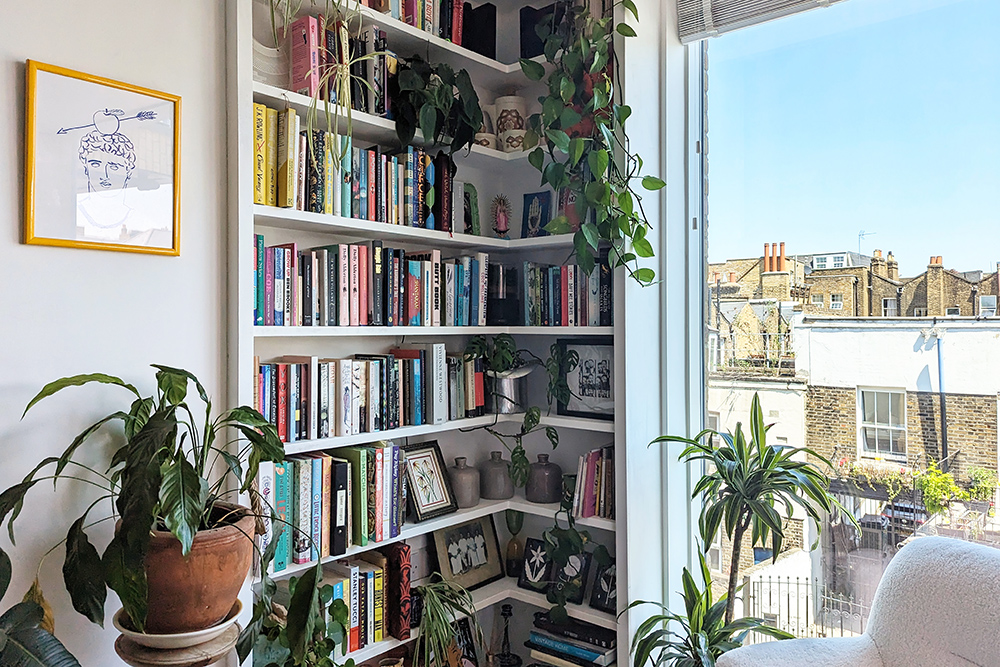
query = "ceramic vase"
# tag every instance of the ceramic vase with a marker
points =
(544, 481)
(494, 478)
(464, 483)
(509, 113)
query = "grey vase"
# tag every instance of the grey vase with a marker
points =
(494, 478)
(464, 483)
(544, 481)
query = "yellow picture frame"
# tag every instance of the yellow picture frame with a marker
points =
(106, 184)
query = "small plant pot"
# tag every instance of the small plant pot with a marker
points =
(198, 592)
(508, 389)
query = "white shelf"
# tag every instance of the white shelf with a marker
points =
(423, 332)
(577, 423)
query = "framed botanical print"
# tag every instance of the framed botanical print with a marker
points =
(604, 596)
(102, 163)
(573, 577)
(536, 572)
(429, 489)
(469, 553)
(592, 382)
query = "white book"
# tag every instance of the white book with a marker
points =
(481, 293)
(458, 207)
(594, 298)
(449, 294)
(437, 358)
(345, 399)
(580, 470)
(324, 400)
(374, 392)
(265, 487)
(356, 369)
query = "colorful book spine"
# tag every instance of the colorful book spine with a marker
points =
(304, 36)
(326, 508)
(282, 506)
(414, 297)
(355, 269)
(347, 177)
(260, 154)
(344, 385)
(271, 157)
(303, 511)
(286, 158)
(398, 597)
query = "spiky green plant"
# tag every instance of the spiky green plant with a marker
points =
(444, 602)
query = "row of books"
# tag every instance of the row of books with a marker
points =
(560, 651)
(331, 175)
(309, 398)
(367, 284)
(326, 503)
(594, 495)
(375, 586)
(579, 632)
(566, 295)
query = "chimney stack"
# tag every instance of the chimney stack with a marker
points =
(781, 263)
(878, 265)
(892, 267)
(766, 264)
(937, 260)
(774, 257)
(732, 276)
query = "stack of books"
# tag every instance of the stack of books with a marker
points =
(308, 398)
(566, 296)
(325, 503)
(367, 284)
(333, 176)
(595, 484)
(573, 644)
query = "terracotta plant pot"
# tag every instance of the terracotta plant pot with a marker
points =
(197, 592)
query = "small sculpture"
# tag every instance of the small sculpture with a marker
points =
(501, 216)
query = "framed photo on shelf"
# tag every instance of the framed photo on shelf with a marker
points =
(429, 488)
(536, 214)
(536, 572)
(574, 574)
(102, 163)
(604, 596)
(592, 383)
(466, 643)
(468, 554)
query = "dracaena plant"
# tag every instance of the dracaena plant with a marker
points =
(161, 477)
(587, 151)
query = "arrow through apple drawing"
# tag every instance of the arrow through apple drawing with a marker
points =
(108, 121)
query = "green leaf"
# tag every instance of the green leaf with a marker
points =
(67, 455)
(567, 89)
(532, 416)
(551, 110)
(5, 572)
(533, 70)
(598, 162)
(410, 80)
(180, 372)
(554, 174)
(183, 495)
(625, 30)
(536, 158)
(530, 140)
(559, 139)
(642, 247)
(591, 234)
(173, 386)
(84, 574)
(576, 147)
(630, 6)
(622, 113)
(569, 117)
(30, 646)
(645, 275)
(558, 225)
(553, 435)
(76, 381)
(428, 122)
(652, 183)
(138, 415)
(302, 611)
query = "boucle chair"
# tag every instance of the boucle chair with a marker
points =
(938, 605)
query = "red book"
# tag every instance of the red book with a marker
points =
(456, 21)
(283, 402)
(480, 390)
(589, 503)
(363, 287)
(410, 12)
(564, 294)
(398, 590)
(269, 287)
(372, 186)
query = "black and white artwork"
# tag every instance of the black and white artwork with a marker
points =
(466, 548)
(592, 382)
(536, 573)
(466, 643)
(604, 596)
(101, 163)
(468, 554)
(572, 577)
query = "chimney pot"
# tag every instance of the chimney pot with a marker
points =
(774, 257)
(732, 276)
(781, 262)
(766, 264)
(878, 253)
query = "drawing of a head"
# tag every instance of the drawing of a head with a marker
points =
(108, 161)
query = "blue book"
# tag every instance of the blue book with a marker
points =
(345, 172)
(466, 289)
(474, 294)
(265, 386)
(316, 524)
(549, 642)
(459, 295)
(258, 307)
(418, 393)
(431, 188)
(282, 508)
(279, 286)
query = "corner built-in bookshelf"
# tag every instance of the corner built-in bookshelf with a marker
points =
(492, 173)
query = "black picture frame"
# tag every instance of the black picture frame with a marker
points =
(476, 563)
(592, 382)
(604, 594)
(536, 212)
(574, 573)
(430, 493)
(536, 570)
(466, 643)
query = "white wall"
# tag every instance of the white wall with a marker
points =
(74, 311)
(894, 354)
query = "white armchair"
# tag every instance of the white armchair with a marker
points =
(938, 605)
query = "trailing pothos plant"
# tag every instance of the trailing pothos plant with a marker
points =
(565, 546)
(587, 151)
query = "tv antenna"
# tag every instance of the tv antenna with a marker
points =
(861, 235)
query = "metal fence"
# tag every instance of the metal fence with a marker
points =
(803, 607)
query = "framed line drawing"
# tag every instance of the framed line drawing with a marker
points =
(102, 163)
(429, 487)
(592, 382)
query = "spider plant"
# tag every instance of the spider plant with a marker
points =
(444, 602)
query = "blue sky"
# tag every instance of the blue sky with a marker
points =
(875, 115)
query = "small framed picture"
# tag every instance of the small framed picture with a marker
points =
(102, 163)
(536, 572)
(466, 644)
(604, 596)
(537, 213)
(469, 553)
(574, 575)
(429, 489)
(592, 382)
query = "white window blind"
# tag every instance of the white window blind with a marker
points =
(698, 19)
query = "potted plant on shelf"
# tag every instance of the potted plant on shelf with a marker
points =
(180, 552)
(441, 604)
(505, 368)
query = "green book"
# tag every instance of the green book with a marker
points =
(358, 457)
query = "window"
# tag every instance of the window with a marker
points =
(882, 417)
(920, 312)
(988, 306)
(838, 261)
(818, 300)
(836, 302)
(888, 308)
(715, 552)
(820, 262)
(953, 311)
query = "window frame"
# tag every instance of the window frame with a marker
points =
(885, 311)
(839, 261)
(988, 311)
(836, 302)
(822, 300)
(861, 424)
(818, 261)
(920, 312)
(953, 311)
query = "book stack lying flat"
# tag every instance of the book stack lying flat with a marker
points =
(573, 644)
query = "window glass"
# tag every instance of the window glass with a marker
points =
(817, 300)
(953, 311)
(821, 262)
(836, 301)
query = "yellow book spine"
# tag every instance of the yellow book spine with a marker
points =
(271, 154)
(379, 605)
(287, 146)
(259, 160)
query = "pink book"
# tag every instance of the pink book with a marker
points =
(410, 12)
(268, 287)
(304, 33)
(363, 289)
(589, 497)
(355, 286)
(379, 490)
(344, 303)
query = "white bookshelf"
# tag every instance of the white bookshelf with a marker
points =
(493, 172)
